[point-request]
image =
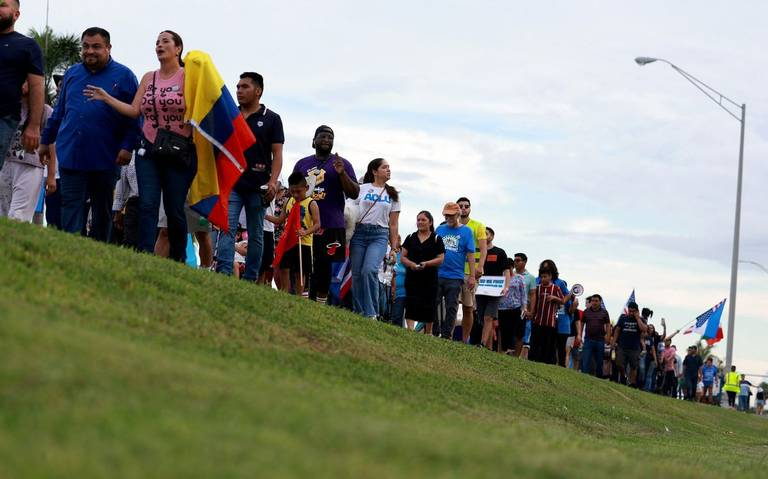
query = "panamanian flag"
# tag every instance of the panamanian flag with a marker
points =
(708, 324)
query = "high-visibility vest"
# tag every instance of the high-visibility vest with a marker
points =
(732, 382)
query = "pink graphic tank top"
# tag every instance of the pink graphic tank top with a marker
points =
(170, 103)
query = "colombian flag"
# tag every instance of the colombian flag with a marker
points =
(221, 136)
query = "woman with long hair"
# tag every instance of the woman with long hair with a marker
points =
(379, 206)
(160, 100)
(422, 253)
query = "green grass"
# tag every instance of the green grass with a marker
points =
(114, 364)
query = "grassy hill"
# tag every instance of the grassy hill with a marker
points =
(114, 364)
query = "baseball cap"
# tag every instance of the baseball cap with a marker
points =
(451, 208)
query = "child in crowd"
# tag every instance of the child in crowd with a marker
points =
(549, 298)
(290, 268)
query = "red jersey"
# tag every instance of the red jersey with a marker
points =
(546, 310)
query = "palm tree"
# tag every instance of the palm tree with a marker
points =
(59, 53)
(705, 351)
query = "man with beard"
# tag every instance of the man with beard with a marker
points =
(467, 298)
(331, 179)
(92, 140)
(265, 160)
(20, 60)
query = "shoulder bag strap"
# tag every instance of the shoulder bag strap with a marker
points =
(372, 205)
(156, 123)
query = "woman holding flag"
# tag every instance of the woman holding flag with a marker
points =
(166, 161)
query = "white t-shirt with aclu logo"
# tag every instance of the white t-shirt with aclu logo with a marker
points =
(379, 210)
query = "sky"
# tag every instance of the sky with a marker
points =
(536, 111)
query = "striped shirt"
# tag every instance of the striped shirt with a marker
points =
(546, 310)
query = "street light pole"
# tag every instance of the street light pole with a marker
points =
(754, 263)
(735, 253)
(719, 98)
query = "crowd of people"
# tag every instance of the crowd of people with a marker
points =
(98, 161)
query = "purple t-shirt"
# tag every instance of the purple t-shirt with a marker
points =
(328, 192)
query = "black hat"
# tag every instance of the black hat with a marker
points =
(323, 128)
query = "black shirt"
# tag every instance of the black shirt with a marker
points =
(267, 127)
(691, 365)
(495, 262)
(418, 252)
(629, 340)
(19, 56)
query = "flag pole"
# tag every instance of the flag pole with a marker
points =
(301, 267)
(301, 263)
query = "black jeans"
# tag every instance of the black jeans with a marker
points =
(670, 383)
(131, 223)
(507, 335)
(543, 343)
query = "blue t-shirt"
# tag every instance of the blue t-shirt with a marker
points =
(708, 374)
(458, 242)
(19, 56)
(399, 278)
(564, 319)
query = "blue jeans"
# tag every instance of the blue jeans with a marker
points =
(53, 207)
(77, 187)
(527, 334)
(8, 126)
(366, 251)
(254, 217)
(448, 290)
(384, 307)
(156, 177)
(743, 403)
(397, 313)
(650, 377)
(641, 370)
(592, 350)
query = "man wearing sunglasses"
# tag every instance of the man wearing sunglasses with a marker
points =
(480, 252)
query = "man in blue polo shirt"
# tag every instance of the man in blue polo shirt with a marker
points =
(20, 61)
(92, 139)
(459, 248)
(265, 160)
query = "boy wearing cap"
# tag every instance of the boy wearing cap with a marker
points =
(459, 248)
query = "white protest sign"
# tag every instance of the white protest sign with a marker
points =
(490, 286)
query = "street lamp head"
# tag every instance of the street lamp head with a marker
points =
(645, 60)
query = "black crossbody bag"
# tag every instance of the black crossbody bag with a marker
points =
(169, 145)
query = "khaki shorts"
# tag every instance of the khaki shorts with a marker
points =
(467, 297)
